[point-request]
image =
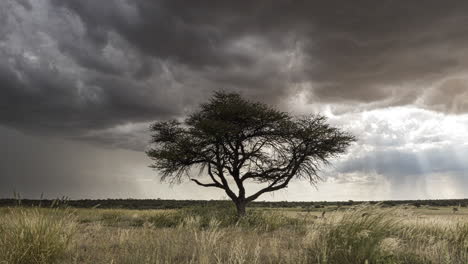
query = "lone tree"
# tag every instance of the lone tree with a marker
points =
(235, 141)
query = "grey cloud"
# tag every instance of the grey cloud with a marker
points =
(101, 71)
(76, 67)
(360, 51)
(26, 4)
(45, 98)
(402, 146)
(450, 96)
(407, 172)
(46, 92)
(401, 164)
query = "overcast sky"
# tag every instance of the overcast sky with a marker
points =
(82, 80)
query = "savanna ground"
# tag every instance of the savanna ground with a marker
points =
(358, 234)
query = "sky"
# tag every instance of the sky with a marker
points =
(81, 82)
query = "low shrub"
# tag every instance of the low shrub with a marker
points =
(165, 220)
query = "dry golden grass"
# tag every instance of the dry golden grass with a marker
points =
(364, 234)
(35, 235)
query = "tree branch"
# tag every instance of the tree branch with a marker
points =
(207, 184)
(210, 173)
(219, 167)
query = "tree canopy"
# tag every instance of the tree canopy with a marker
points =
(234, 140)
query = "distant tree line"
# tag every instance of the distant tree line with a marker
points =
(142, 204)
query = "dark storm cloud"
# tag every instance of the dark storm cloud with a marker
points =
(41, 97)
(351, 50)
(80, 67)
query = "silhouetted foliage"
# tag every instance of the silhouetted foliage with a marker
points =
(235, 140)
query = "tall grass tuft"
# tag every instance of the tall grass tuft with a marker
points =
(35, 235)
(354, 236)
(458, 243)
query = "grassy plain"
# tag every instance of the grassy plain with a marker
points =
(354, 235)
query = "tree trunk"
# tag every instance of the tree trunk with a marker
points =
(240, 205)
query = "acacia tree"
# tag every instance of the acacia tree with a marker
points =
(235, 141)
